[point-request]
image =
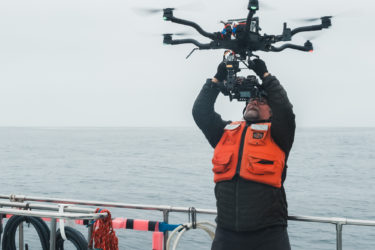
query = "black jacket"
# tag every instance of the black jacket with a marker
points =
(245, 205)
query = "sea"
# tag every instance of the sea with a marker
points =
(331, 173)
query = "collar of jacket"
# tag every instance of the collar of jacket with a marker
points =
(259, 121)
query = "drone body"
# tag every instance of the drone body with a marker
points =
(240, 38)
(243, 37)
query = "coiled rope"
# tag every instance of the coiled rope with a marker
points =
(9, 239)
(103, 234)
(73, 236)
(208, 227)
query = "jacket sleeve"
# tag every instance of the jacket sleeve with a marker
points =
(205, 116)
(283, 118)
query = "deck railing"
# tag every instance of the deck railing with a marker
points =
(85, 213)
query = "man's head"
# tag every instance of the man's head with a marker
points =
(257, 109)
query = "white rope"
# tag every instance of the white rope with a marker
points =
(208, 227)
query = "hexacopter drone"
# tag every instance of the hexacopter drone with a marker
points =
(241, 38)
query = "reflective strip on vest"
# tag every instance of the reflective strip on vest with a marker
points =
(262, 159)
(232, 126)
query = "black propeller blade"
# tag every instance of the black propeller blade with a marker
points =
(178, 34)
(312, 37)
(150, 11)
(264, 6)
(193, 6)
(352, 13)
(312, 19)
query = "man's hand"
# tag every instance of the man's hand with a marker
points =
(260, 68)
(221, 73)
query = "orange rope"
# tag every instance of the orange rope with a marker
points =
(103, 234)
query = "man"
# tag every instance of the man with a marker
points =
(249, 164)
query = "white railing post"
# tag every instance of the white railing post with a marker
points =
(52, 239)
(339, 236)
(20, 236)
(165, 220)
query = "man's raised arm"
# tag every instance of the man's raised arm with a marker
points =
(204, 113)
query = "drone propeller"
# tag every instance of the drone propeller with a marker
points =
(194, 6)
(264, 6)
(352, 13)
(312, 19)
(150, 11)
(184, 33)
(311, 37)
(178, 34)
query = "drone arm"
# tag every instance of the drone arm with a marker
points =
(307, 47)
(326, 23)
(194, 25)
(307, 28)
(193, 41)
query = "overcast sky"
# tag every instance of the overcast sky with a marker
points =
(102, 63)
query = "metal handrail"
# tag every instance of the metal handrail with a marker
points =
(54, 215)
(17, 207)
(104, 204)
(28, 206)
(333, 220)
(338, 221)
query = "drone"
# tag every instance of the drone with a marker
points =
(241, 37)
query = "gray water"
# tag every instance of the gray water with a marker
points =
(331, 173)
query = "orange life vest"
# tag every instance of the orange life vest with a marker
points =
(262, 160)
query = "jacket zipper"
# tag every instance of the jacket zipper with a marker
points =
(237, 209)
(238, 168)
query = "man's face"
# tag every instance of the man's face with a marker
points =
(257, 109)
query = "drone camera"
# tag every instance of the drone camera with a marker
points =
(238, 87)
(243, 88)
